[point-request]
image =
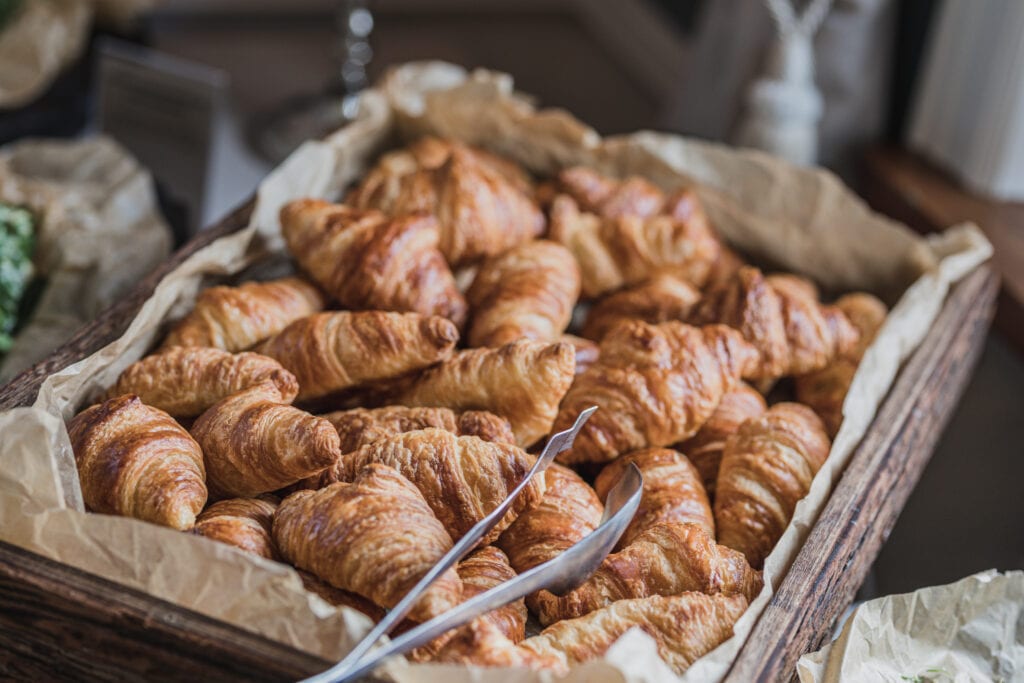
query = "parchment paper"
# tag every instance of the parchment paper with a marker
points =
(800, 219)
(968, 631)
(98, 232)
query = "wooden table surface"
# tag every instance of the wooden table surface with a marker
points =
(57, 623)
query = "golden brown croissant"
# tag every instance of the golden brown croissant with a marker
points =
(252, 443)
(238, 318)
(684, 627)
(616, 252)
(794, 333)
(825, 390)
(522, 381)
(767, 467)
(662, 298)
(481, 643)
(587, 351)
(654, 385)
(462, 478)
(383, 182)
(611, 198)
(376, 537)
(242, 522)
(667, 559)
(672, 492)
(332, 352)
(185, 381)
(367, 260)
(724, 268)
(705, 448)
(527, 292)
(479, 212)
(484, 569)
(340, 598)
(566, 513)
(136, 461)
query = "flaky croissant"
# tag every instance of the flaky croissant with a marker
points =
(479, 212)
(375, 536)
(724, 268)
(667, 559)
(672, 492)
(794, 333)
(522, 382)
(185, 381)
(565, 514)
(705, 448)
(341, 598)
(136, 461)
(654, 385)
(616, 252)
(367, 260)
(767, 467)
(238, 318)
(825, 390)
(526, 293)
(333, 352)
(481, 643)
(383, 182)
(684, 627)
(587, 351)
(662, 298)
(609, 197)
(462, 478)
(253, 443)
(242, 522)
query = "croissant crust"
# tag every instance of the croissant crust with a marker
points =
(242, 522)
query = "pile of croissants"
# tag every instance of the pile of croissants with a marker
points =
(358, 418)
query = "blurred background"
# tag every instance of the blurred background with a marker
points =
(921, 111)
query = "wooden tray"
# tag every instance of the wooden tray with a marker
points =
(59, 623)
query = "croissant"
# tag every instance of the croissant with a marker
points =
(825, 390)
(367, 260)
(684, 628)
(662, 298)
(724, 268)
(253, 443)
(383, 182)
(332, 352)
(767, 467)
(340, 598)
(522, 381)
(479, 212)
(462, 478)
(185, 381)
(616, 252)
(136, 461)
(611, 198)
(793, 332)
(242, 522)
(238, 318)
(360, 426)
(565, 514)
(654, 385)
(672, 491)
(481, 643)
(586, 350)
(376, 537)
(527, 292)
(666, 559)
(704, 449)
(484, 569)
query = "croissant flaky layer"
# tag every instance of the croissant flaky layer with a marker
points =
(375, 536)
(253, 443)
(185, 381)
(333, 352)
(767, 468)
(135, 460)
(526, 293)
(662, 298)
(609, 197)
(672, 492)
(522, 382)
(242, 522)
(666, 559)
(654, 385)
(367, 260)
(462, 478)
(238, 318)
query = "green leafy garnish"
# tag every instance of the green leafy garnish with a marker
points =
(17, 240)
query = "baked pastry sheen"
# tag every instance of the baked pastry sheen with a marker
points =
(662, 298)
(242, 522)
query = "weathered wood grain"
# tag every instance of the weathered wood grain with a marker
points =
(879, 478)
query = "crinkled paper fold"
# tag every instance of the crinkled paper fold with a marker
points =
(803, 220)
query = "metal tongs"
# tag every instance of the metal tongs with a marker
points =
(559, 575)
